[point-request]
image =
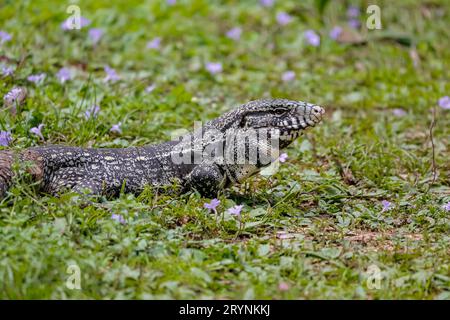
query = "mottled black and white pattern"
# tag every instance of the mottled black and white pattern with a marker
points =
(110, 171)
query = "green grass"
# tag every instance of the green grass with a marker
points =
(326, 199)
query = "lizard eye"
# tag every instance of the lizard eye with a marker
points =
(279, 111)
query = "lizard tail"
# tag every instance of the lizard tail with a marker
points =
(6, 173)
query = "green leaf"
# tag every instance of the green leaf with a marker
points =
(321, 5)
(263, 250)
(201, 274)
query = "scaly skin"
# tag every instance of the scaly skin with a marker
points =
(109, 171)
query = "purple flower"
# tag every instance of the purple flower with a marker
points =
(5, 138)
(84, 22)
(119, 218)
(171, 2)
(212, 205)
(116, 128)
(386, 205)
(150, 88)
(15, 96)
(7, 71)
(64, 75)
(398, 112)
(354, 23)
(266, 3)
(154, 44)
(335, 32)
(444, 102)
(446, 206)
(71, 23)
(234, 33)
(4, 37)
(36, 78)
(111, 74)
(12, 95)
(284, 235)
(236, 210)
(288, 76)
(283, 18)
(353, 12)
(92, 112)
(283, 157)
(283, 286)
(95, 34)
(312, 38)
(38, 131)
(214, 67)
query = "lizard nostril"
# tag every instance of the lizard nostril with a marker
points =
(318, 110)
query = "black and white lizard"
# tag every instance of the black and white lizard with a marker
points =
(222, 152)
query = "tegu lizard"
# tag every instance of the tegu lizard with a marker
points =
(224, 151)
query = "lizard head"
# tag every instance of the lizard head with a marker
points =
(287, 118)
(285, 115)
